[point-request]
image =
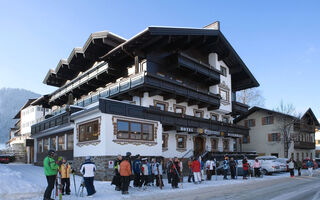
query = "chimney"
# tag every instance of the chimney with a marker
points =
(215, 25)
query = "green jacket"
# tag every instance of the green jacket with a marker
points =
(50, 166)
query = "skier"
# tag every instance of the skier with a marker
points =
(245, 167)
(310, 167)
(145, 172)
(175, 172)
(117, 178)
(196, 167)
(50, 170)
(298, 166)
(152, 177)
(125, 172)
(88, 169)
(232, 165)
(137, 171)
(202, 168)
(190, 176)
(157, 168)
(209, 168)
(291, 166)
(169, 171)
(256, 168)
(225, 167)
(65, 170)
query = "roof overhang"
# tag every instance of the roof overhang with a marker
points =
(173, 38)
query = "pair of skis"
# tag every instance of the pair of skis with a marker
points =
(159, 178)
(58, 190)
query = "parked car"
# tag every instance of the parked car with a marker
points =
(4, 159)
(304, 164)
(240, 167)
(283, 164)
(269, 164)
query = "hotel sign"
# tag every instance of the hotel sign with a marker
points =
(186, 129)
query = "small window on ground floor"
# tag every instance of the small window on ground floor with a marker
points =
(39, 146)
(225, 145)
(53, 143)
(45, 145)
(89, 131)
(165, 141)
(70, 141)
(214, 144)
(134, 130)
(61, 143)
(181, 141)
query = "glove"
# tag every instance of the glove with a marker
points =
(72, 171)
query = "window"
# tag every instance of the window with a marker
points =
(274, 137)
(45, 145)
(40, 146)
(246, 139)
(223, 71)
(307, 155)
(165, 141)
(198, 113)
(134, 130)
(251, 122)
(179, 109)
(317, 141)
(61, 143)
(53, 143)
(225, 119)
(161, 105)
(224, 94)
(214, 117)
(214, 144)
(70, 141)
(225, 145)
(181, 141)
(267, 120)
(89, 131)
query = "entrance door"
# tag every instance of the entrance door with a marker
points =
(199, 146)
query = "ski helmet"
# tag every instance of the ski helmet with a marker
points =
(51, 152)
(88, 157)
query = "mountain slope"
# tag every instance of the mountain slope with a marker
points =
(11, 100)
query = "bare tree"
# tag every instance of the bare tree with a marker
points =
(251, 97)
(287, 121)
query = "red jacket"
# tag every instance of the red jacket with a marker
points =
(245, 166)
(195, 166)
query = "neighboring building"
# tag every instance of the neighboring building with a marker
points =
(317, 143)
(266, 135)
(165, 92)
(20, 139)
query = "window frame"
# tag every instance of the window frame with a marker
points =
(130, 130)
(175, 106)
(85, 124)
(200, 111)
(216, 141)
(227, 95)
(214, 114)
(165, 104)
(224, 71)
(184, 137)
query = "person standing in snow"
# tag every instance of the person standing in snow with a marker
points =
(88, 169)
(169, 171)
(190, 176)
(202, 168)
(117, 178)
(310, 167)
(175, 171)
(125, 173)
(50, 167)
(65, 170)
(225, 167)
(208, 167)
(291, 166)
(196, 168)
(157, 168)
(152, 165)
(256, 167)
(233, 166)
(137, 171)
(145, 172)
(245, 167)
(298, 166)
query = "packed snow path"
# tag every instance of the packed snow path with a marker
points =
(20, 181)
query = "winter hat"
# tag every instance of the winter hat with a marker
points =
(88, 157)
(51, 152)
(128, 154)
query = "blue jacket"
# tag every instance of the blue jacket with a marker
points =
(136, 166)
(225, 164)
(309, 164)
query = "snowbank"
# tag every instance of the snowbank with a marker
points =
(21, 181)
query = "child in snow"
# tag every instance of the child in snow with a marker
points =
(245, 166)
(145, 172)
(65, 170)
(225, 167)
(291, 166)
(175, 172)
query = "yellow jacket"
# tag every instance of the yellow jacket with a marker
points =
(65, 170)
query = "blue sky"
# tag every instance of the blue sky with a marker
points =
(278, 40)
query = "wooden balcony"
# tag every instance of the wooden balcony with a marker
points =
(304, 145)
(239, 108)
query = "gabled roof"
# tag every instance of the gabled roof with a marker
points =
(17, 116)
(82, 58)
(310, 113)
(256, 108)
(210, 40)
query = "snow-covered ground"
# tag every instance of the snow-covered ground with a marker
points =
(22, 181)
